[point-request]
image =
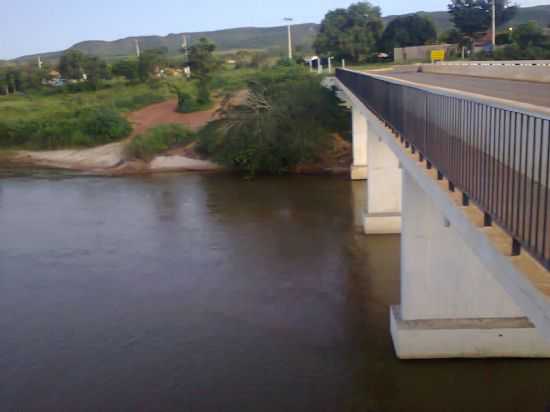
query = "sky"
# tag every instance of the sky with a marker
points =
(35, 26)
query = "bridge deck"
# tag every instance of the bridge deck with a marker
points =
(525, 92)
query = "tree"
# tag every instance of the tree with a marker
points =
(203, 62)
(96, 70)
(411, 30)
(351, 33)
(126, 68)
(472, 17)
(529, 35)
(148, 60)
(201, 58)
(71, 65)
(287, 118)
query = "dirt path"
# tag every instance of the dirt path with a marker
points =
(110, 157)
(165, 112)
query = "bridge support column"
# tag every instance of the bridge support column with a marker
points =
(360, 136)
(451, 305)
(383, 188)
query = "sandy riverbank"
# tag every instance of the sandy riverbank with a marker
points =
(111, 158)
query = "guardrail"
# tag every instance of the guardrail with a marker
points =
(496, 63)
(498, 157)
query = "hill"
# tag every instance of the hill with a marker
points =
(270, 39)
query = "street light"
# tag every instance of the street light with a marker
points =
(289, 20)
(494, 24)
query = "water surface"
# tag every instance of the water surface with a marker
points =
(211, 293)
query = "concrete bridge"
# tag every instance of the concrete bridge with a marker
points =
(465, 179)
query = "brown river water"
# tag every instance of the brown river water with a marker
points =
(213, 293)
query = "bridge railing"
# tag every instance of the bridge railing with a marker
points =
(498, 157)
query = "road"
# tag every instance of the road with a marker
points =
(525, 92)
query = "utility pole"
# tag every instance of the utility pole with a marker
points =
(138, 51)
(494, 25)
(184, 46)
(289, 20)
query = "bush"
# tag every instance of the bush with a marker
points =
(103, 124)
(287, 119)
(157, 140)
(91, 126)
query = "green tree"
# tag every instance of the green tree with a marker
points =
(472, 17)
(201, 58)
(96, 70)
(411, 30)
(126, 68)
(148, 60)
(351, 33)
(529, 35)
(203, 63)
(71, 65)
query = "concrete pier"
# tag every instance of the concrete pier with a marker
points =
(383, 188)
(360, 138)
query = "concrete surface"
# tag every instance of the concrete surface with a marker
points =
(359, 168)
(532, 73)
(383, 188)
(520, 91)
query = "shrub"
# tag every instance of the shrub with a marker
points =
(157, 140)
(88, 127)
(103, 124)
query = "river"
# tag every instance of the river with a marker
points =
(213, 293)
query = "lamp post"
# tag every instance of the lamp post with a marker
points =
(494, 24)
(289, 21)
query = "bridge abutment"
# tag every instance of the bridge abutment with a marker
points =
(451, 304)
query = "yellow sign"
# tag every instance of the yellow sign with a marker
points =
(438, 55)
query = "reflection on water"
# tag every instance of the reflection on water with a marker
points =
(210, 293)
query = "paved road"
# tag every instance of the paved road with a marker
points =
(526, 92)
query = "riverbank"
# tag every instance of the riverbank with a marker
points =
(111, 159)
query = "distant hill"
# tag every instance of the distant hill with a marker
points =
(271, 39)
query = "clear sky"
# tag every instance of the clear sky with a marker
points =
(35, 26)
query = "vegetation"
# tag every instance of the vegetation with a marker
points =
(472, 17)
(287, 118)
(527, 42)
(351, 33)
(157, 140)
(410, 30)
(85, 127)
(202, 63)
(66, 119)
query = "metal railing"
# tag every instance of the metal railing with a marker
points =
(498, 157)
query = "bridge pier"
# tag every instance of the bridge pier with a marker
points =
(451, 304)
(383, 188)
(360, 137)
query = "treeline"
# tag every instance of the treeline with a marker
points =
(357, 34)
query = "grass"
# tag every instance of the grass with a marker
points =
(58, 118)
(157, 140)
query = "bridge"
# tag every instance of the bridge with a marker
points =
(465, 179)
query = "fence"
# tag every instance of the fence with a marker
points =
(498, 157)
